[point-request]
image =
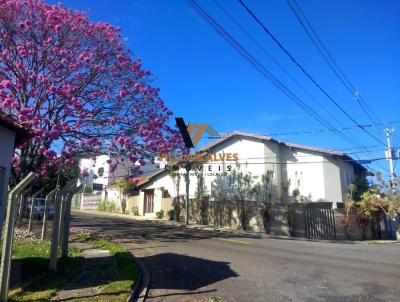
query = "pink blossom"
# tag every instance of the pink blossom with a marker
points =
(6, 83)
(116, 111)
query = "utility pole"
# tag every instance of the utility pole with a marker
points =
(187, 180)
(189, 144)
(389, 156)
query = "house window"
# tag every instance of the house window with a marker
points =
(165, 193)
(100, 171)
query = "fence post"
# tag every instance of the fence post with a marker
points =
(21, 206)
(62, 217)
(54, 232)
(33, 208)
(45, 214)
(56, 225)
(67, 214)
(9, 233)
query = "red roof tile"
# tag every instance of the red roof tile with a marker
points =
(22, 134)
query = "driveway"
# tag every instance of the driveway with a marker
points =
(196, 265)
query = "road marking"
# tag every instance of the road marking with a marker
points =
(234, 240)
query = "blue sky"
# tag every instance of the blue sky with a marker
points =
(204, 80)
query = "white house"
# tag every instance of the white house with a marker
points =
(11, 135)
(315, 174)
(102, 181)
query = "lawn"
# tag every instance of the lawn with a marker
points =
(39, 284)
(127, 271)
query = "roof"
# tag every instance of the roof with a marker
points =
(290, 145)
(266, 138)
(22, 134)
(230, 135)
(145, 179)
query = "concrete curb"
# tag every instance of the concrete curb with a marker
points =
(140, 289)
(136, 286)
(144, 288)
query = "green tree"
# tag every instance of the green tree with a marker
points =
(125, 186)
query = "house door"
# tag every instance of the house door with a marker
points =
(148, 201)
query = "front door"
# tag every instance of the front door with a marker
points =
(148, 201)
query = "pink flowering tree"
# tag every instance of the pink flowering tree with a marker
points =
(76, 86)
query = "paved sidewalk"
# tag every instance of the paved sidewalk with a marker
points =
(99, 268)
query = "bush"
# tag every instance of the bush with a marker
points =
(102, 205)
(135, 211)
(88, 190)
(171, 214)
(107, 206)
(160, 214)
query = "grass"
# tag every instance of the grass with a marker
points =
(40, 284)
(217, 299)
(127, 271)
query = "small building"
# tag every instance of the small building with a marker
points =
(101, 183)
(12, 134)
(292, 172)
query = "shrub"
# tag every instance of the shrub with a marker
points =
(107, 206)
(102, 205)
(135, 211)
(171, 214)
(88, 190)
(160, 214)
(112, 207)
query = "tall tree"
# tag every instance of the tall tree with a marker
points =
(74, 83)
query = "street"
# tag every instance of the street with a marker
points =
(195, 265)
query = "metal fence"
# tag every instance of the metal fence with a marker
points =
(33, 220)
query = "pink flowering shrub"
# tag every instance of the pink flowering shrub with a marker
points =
(76, 86)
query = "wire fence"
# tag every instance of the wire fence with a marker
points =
(35, 233)
(31, 232)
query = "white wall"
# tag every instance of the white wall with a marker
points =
(320, 175)
(7, 140)
(304, 171)
(108, 178)
(336, 180)
(93, 166)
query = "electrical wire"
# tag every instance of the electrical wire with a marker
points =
(261, 68)
(294, 163)
(264, 50)
(316, 130)
(329, 59)
(282, 68)
(266, 30)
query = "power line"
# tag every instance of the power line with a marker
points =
(291, 163)
(294, 132)
(326, 55)
(264, 50)
(258, 21)
(329, 59)
(263, 71)
(261, 68)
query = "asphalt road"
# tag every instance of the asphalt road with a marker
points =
(194, 265)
